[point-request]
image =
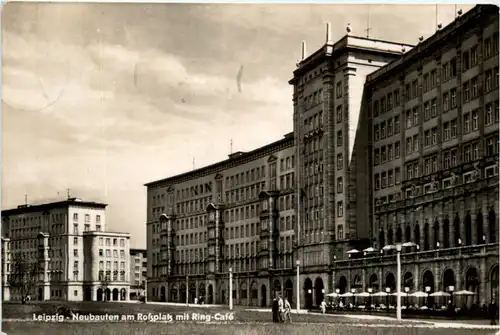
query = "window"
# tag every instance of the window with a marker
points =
(87, 227)
(75, 240)
(101, 252)
(467, 153)
(75, 228)
(427, 138)
(87, 218)
(454, 128)
(383, 180)
(98, 227)
(389, 101)
(434, 136)
(474, 90)
(409, 171)
(416, 144)
(434, 107)
(446, 131)
(122, 243)
(453, 97)
(488, 80)
(409, 145)
(466, 61)
(75, 252)
(446, 102)
(426, 84)
(475, 119)
(390, 127)
(98, 219)
(466, 119)
(427, 110)
(408, 119)
(473, 56)
(390, 152)
(340, 232)
(488, 114)
(340, 162)
(377, 182)
(390, 178)
(382, 106)
(396, 124)
(377, 156)
(466, 92)
(397, 149)
(339, 89)
(340, 209)
(339, 138)
(75, 216)
(340, 185)
(339, 114)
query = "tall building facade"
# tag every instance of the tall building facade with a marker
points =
(392, 143)
(433, 118)
(63, 238)
(237, 214)
(138, 273)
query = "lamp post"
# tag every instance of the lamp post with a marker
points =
(398, 280)
(338, 293)
(230, 288)
(427, 290)
(145, 290)
(298, 285)
(451, 289)
(353, 291)
(370, 290)
(459, 242)
(187, 290)
(407, 290)
(387, 290)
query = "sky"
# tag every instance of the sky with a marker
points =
(103, 98)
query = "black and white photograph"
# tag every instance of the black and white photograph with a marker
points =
(248, 168)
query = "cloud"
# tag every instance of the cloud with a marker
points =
(102, 98)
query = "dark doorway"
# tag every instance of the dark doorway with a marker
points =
(319, 290)
(308, 285)
(263, 292)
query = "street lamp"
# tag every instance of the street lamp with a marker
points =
(187, 290)
(427, 290)
(298, 285)
(387, 290)
(451, 288)
(353, 291)
(230, 288)
(398, 283)
(459, 242)
(370, 290)
(407, 289)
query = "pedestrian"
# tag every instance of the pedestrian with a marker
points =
(492, 311)
(322, 306)
(275, 308)
(281, 309)
(288, 311)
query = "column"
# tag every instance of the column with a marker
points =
(473, 212)
(381, 280)
(452, 223)
(363, 278)
(440, 216)
(485, 210)
(483, 285)
(421, 227)
(462, 214)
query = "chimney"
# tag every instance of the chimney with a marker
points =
(304, 53)
(328, 32)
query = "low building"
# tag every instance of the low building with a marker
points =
(62, 240)
(138, 273)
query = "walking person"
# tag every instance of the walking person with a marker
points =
(281, 309)
(492, 311)
(288, 311)
(322, 306)
(275, 309)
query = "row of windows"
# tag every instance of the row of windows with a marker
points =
(243, 178)
(87, 218)
(380, 107)
(193, 191)
(387, 153)
(387, 178)
(108, 242)
(108, 275)
(108, 265)
(108, 253)
(313, 99)
(391, 125)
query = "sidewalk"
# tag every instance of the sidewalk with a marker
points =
(184, 304)
(467, 324)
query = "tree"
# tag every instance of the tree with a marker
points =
(106, 280)
(24, 277)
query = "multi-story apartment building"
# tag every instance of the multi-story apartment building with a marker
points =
(333, 158)
(237, 214)
(138, 273)
(392, 143)
(434, 139)
(62, 237)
